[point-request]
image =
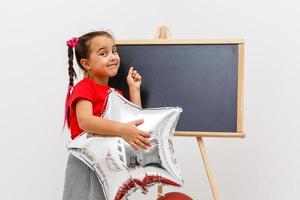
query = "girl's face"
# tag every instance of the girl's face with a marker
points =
(103, 61)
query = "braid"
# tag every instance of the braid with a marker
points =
(72, 74)
(71, 70)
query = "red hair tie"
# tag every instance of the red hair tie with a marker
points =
(72, 43)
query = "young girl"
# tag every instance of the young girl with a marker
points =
(96, 54)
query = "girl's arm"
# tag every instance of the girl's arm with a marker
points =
(135, 96)
(134, 80)
(94, 124)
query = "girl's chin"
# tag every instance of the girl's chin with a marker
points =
(113, 69)
(112, 74)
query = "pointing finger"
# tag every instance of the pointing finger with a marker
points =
(130, 70)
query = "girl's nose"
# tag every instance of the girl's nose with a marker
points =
(112, 57)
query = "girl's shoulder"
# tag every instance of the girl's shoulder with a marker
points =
(83, 87)
(84, 81)
(86, 84)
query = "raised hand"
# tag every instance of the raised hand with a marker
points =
(134, 79)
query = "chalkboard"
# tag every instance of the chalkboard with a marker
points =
(200, 78)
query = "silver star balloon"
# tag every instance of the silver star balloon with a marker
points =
(122, 170)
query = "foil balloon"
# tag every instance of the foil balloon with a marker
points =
(121, 169)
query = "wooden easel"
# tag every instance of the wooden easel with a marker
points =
(163, 33)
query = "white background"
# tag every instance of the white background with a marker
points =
(33, 81)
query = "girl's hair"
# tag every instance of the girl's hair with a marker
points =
(82, 51)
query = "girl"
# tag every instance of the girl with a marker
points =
(96, 54)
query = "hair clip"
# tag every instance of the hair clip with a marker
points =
(72, 43)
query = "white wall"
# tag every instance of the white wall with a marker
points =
(33, 80)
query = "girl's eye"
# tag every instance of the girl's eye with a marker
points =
(103, 54)
(115, 51)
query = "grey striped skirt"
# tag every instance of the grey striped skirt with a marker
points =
(81, 183)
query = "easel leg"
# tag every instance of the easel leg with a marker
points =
(211, 179)
(159, 191)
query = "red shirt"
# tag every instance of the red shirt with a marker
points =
(89, 90)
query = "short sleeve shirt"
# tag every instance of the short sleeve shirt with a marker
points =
(89, 90)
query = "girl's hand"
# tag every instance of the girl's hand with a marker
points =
(134, 79)
(135, 137)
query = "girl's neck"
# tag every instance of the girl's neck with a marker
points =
(99, 80)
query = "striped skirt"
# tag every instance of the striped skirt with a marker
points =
(81, 183)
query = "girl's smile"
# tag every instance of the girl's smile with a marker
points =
(113, 65)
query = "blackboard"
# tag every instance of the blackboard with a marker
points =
(200, 78)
